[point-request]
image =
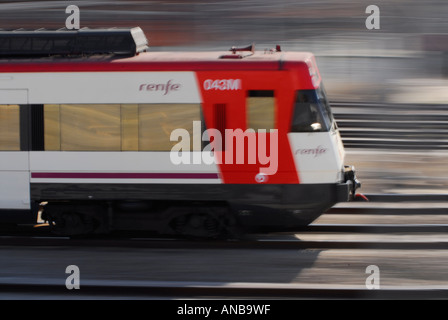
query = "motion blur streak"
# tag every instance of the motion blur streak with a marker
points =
(405, 62)
(388, 89)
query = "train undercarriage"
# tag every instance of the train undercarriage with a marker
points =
(200, 219)
(272, 208)
(197, 219)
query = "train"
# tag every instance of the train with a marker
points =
(100, 133)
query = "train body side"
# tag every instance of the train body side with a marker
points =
(305, 168)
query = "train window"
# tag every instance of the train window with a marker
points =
(325, 106)
(90, 127)
(9, 127)
(311, 112)
(260, 109)
(129, 127)
(52, 129)
(115, 127)
(157, 121)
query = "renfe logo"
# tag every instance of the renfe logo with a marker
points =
(318, 151)
(161, 87)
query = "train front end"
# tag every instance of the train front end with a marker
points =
(314, 136)
(310, 173)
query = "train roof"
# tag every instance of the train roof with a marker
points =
(85, 41)
(158, 61)
(124, 49)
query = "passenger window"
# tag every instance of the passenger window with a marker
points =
(52, 128)
(129, 127)
(115, 127)
(260, 109)
(90, 127)
(157, 121)
(10, 127)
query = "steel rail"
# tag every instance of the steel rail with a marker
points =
(198, 290)
(248, 243)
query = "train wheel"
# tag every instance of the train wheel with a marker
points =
(70, 223)
(69, 219)
(197, 225)
(198, 222)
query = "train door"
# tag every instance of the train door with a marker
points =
(14, 155)
(250, 107)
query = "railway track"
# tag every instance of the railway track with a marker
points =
(256, 244)
(416, 225)
(392, 126)
(207, 290)
(377, 241)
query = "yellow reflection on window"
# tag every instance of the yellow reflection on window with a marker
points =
(129, 127)
(157, 121)
(52, 128)
(9, 127)
(90, 127)
(260, 110)
(126, 127)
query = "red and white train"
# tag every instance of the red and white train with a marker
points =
(87, 136)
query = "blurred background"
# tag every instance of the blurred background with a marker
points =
(388, 87)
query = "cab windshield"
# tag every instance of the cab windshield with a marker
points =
(312, 112)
